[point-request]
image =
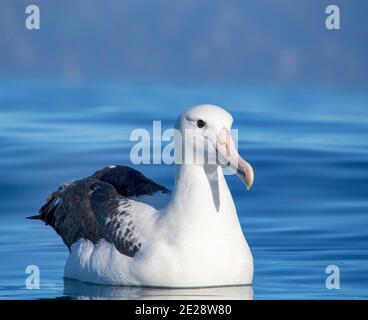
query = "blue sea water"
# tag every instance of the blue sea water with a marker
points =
(307, 209)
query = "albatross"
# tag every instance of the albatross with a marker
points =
(122, 228)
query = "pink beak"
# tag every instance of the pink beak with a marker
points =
(228, 156)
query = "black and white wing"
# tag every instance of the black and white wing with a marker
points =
(102, 207)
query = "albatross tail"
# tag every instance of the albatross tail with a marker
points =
(35, 217)
(46, 212)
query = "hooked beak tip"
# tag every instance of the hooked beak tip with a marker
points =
(249, 185)
(247, 174)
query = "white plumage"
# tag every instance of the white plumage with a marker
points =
(194, 240)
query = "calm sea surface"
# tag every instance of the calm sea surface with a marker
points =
(308, 208)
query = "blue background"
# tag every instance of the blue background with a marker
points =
(71, 92)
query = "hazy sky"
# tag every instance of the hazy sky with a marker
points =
(259, 42)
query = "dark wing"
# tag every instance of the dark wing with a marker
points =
(116, 214)
(128, 182)
(98, 207)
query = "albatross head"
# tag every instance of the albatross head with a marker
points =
(205, 135)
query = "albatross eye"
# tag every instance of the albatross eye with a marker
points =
(200, 123)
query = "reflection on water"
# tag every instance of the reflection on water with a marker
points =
(81, 290)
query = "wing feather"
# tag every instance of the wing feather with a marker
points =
(98, 207)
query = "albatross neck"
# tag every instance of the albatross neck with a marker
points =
(197, 189)
(192, 212)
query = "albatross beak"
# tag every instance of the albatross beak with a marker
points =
(228, 156)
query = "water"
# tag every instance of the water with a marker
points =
(307, 209)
